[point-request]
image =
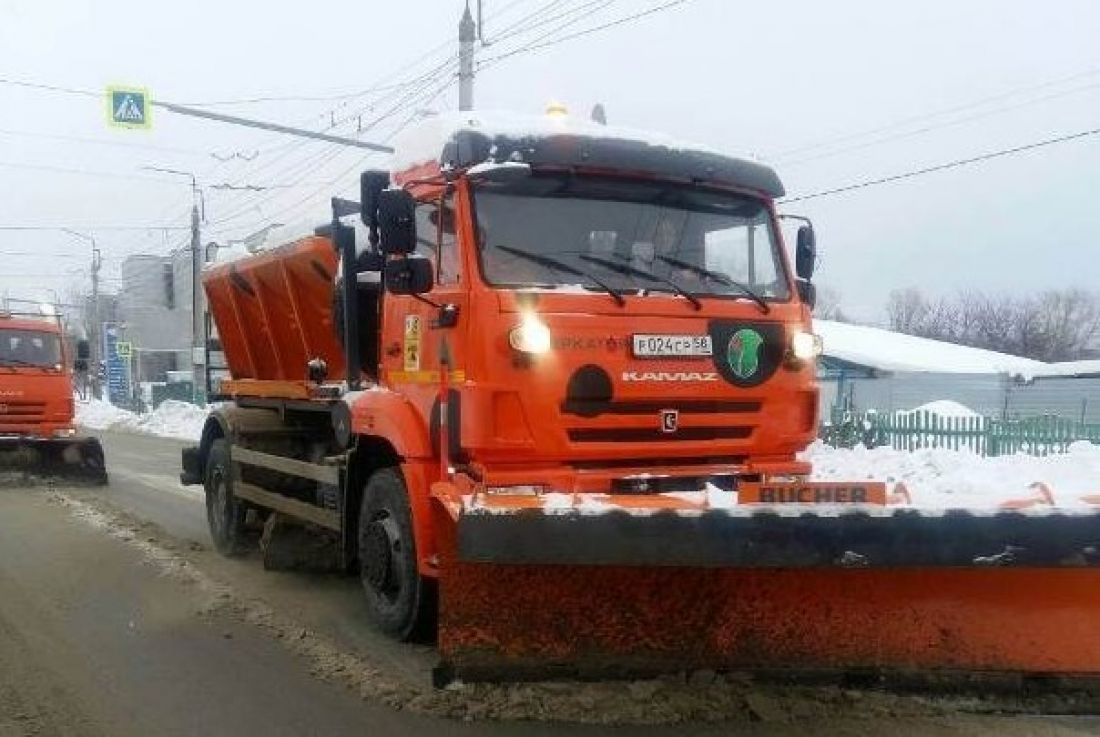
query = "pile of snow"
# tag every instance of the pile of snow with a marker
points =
(889, 351)
(172, 419)
(938, 478)
(942, 408)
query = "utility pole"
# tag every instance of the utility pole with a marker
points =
(467, 34)
(198, 309)
(94, 327)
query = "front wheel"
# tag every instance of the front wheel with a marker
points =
(400, 601)
(224, 511)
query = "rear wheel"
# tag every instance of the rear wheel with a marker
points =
(401, 602)
(224, 511)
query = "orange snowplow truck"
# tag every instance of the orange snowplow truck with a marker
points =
(554, 418)
(38, 436)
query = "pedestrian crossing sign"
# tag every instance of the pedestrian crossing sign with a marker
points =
(129, 107)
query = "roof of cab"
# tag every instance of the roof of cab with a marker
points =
(464, 139)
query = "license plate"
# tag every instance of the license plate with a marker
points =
(654, 346)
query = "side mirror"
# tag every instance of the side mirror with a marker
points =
(396, 222)
(412, 275)
(83, 349)
(370, 184)
(805, 253)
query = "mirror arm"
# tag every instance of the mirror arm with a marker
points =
(426, 301)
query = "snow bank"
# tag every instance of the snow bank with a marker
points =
(172, 419)
(942, 408)
(890, 351)
(938, 478)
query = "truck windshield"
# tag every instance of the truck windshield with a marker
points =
(29, 348)
(634, 236)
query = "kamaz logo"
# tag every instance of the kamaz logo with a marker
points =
(669, 376)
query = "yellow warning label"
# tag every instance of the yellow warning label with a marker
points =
(412, 343)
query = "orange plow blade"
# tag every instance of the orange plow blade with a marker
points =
(532, 593)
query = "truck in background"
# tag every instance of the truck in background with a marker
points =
(38, 434)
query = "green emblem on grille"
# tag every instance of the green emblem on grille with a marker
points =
(743, 352)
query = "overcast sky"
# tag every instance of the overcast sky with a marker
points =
(830, 93)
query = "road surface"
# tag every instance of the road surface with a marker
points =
(116, 618)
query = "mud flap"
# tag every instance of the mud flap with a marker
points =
(535, 595)
(78, 460)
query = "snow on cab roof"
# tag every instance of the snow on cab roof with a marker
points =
(467, 138)
(889, 351)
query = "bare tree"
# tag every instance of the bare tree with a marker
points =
(828, 305)
(907, 310)
(1050, 326)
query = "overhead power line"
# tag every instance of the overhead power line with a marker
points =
(942, 167)
(48, 87)
(587, 31)
(82, 172)
(33, 228)
(101, 142)
(913, 119)
(933, 126)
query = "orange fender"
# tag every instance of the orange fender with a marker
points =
(391, 416)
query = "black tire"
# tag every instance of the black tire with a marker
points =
(400, 601)
(224, 512)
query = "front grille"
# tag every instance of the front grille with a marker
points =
(596, 407)
(656, 435)
(21, 412)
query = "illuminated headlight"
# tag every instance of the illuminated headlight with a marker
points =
(531, 336)
(805, 346)
(64, 432)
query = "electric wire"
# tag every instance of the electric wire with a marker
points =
(942, 167)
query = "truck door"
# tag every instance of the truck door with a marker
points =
(414, 328)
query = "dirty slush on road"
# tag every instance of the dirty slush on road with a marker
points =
(702, 696)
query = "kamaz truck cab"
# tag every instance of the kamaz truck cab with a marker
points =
(37, 417)
(617, 307)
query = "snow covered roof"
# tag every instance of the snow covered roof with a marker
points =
(1069, 368)
(889, 351)
(462, 139)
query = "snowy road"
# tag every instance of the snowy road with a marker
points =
(117, 619)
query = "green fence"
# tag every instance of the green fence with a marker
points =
(985, 436)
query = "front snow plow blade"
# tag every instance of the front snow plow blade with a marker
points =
(30, 461)
(531, 593)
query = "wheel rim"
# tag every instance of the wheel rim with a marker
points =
(381, 563)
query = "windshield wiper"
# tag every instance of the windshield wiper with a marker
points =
(553, 263)
(722, 278)
(628, 270)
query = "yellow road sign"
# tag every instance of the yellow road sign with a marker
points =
(129, 107)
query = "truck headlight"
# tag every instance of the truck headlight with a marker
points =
(805, 346)
(530, 336)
